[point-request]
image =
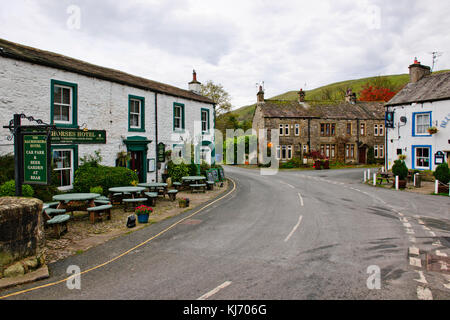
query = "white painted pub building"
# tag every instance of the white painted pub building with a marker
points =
(136, 113)
(422, 104)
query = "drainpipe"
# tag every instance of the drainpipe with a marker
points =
(156, 136)
(309, 134)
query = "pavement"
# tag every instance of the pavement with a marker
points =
(292, 236)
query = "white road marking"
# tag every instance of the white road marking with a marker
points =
(293, 230)
(424, 293)
(432, 234)
(415, 262)
(301, 199)
(407, 225)
(414, 251)
(426, 228)
(214, 291)
(422, 277)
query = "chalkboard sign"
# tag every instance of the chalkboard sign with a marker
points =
(161, 152)
(209, 175)
(439, 157)
(215, 173)
(221, 174)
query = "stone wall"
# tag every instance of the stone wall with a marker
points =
(21, 230)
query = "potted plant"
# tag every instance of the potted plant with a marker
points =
(326, 164)
(432, 130)
(183, 203)
(401, 170)
(143, 212)
(442, 174)
(318, 165)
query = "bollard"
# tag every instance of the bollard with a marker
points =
(368, 174)
(396, 182)
(436, 186)
(415, 179)
(374, 179)
(365, 176)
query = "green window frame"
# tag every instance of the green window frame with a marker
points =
(182, 117)
(208, 125)
(73, 104)
(131, 113)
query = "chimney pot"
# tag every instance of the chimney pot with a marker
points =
(194, 85)
(301, 95)
(260, 95)
(418, 71)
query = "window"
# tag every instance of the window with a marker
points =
(289, 154)
(63, 107)
(375, 130)
(327, 129)
(422, 157)
(286, 129)
(328, 150)
(283, 152)
(381, 151)
(421, 122)
(350, 151)
(381, 130)
(205, 120)
(281, 130)
(65, 160)
(278, 152)
(333, 151)
(305, 149)
(322, 149)
(375, 152)
(136, 115)
(297, 130)
(363, 129)
(178, 117)
(349, 129)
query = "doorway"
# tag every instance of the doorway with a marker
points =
(362, 155)
(136, 163)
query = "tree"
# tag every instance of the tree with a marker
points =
(378, 89)
(217, 93)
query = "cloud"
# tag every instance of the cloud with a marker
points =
(239, 43)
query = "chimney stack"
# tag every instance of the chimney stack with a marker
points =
(194, 85)
(418, 71)
(350, 96)
(301, 96)
(260, 95)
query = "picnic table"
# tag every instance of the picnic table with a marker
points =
(158, 187)
(123, 191)
(195, 182)
(195, 179)
(67, 198)
(384, 176)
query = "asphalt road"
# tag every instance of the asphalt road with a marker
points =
(294, 235)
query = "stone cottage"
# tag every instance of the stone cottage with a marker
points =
(136, 113)
(343, 131)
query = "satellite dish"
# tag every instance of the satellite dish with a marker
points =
(403, 119)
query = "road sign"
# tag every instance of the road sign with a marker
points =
(36, 159)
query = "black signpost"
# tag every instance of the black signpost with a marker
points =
(32, 154)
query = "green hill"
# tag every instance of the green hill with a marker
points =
(332, 92)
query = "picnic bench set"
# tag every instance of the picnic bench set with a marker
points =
(57, 214)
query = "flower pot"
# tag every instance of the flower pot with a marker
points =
(401, 184)
(442, 189)
(143, 218)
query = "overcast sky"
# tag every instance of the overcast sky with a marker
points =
(287, 44)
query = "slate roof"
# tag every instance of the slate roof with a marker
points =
(430, 88)
(343, 110)
(24, 53)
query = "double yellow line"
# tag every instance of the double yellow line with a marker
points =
(123, 254)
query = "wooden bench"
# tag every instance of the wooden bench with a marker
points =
(54, 212)
(132, 200)
(59, 222)
(172, 194)
(102, 202)
(53, 205)
(96, 213)
(177, 185)
(198, 187)
(151, 198)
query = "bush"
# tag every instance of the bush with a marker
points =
(442, 173)
(7, 171)
(8, 189)
(88, 176)
(98, 190)
(178, 171)
(400, 169)
(204, 167)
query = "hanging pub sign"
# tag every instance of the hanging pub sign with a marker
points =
(389, 119)
(36, 159)
(161, 152)
(439, 158)
(76, 136)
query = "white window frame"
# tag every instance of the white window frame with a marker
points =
(424, 126)
(286, 130)
(416, 158)
(381, 151)
(278, 152)
(381, 130)
(180, 118)
(283, 149)
(297, 130)
(71, 168)
(139, 114)
(205, 122)
(375, 151)
(289, 152)
(305, 149)
(333, 151)
(61, 104)
(281, 130)
(375, 130)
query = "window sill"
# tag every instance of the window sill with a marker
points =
(135, 130)
(66, 125)
(422, 135)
